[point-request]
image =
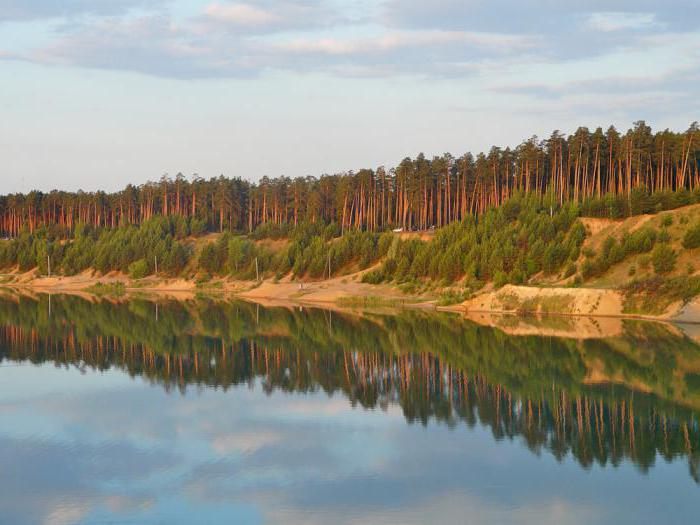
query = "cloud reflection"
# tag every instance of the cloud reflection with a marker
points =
(134, 453)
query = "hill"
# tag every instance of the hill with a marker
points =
(522, 256)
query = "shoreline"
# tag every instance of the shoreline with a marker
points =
(347, 292)
(364, 299)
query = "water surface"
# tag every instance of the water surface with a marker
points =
(206, 411)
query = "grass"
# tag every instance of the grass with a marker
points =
(547, 304)
(451, 296)
(368, 301)
(209, 285)
(509, 301)
(116, 289)
(142, 283)
(653, 296)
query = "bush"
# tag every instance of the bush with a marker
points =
(664, 236)
(373, 277)
(500, 279)
(664, 259)
(138, 269)
(691, 239)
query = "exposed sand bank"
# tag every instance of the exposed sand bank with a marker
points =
(533, 300)
(584, 302)
(349, 290)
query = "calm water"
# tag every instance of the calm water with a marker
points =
(213, 412)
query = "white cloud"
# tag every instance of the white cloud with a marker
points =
(403, 39)
(614, 21)
(67, 513)
(243, 14)
(267, 16)
(243, 442)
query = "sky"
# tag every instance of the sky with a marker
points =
(96, 94)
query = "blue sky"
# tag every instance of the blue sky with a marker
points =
(97, 94)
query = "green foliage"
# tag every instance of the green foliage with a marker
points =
(613, 251)
(664, 236)
(508, 244)
(313, 250)
(570, 270)
(269, 230)
(104, 249)
(691, 239)
(115, 289)
(663, 259)
(138, 269)
(452, 296)
(652, 296)
(639, 202)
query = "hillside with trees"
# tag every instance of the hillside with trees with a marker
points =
(566, 211)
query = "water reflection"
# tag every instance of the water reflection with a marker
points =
(626, 399)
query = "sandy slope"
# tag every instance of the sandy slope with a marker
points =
(328, 291)
(573, 301)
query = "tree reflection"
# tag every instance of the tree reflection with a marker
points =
(642, 404)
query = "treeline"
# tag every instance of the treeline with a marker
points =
(158, 246)
(606, 172)
(512, 243)
(154, 245)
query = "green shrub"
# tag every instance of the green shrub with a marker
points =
(500, 279)
(691, 239)
(663, 257)
(373, 277)
(664, 236)
(138, 269)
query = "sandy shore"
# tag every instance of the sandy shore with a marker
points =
(350, 291)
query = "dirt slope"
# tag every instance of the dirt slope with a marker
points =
(528, 299)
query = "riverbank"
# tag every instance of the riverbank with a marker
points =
(348, 288)
(349, 291)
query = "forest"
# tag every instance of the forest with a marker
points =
(599, 170)
(503, 217)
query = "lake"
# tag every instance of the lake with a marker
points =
(152, 410)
